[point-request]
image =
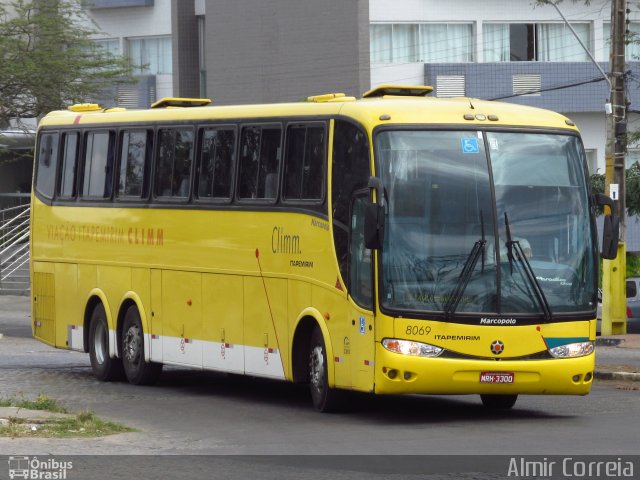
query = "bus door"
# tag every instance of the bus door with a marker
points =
(360, 270)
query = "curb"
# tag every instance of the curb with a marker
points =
(608, 342)
(626, 376)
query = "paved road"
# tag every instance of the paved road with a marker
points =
(193, 412)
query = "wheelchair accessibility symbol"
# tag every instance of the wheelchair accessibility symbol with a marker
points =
(470, 145)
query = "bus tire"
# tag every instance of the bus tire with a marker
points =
(325, 398)
(105, 368)
(499, 402)
(136, 369)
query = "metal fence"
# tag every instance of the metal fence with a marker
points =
(14, 247)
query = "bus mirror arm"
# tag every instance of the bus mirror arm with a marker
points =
(374, 216)
(611, 230)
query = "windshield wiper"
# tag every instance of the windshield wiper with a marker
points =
(514, 245)
(467, 270)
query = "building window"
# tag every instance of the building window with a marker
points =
(544, 42)
(421, 42)
(151, 55)
(110, 45)
(632, 48)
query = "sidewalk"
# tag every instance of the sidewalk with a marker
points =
(618, 357)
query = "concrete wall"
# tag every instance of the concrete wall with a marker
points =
(184, 24)
(284, 50)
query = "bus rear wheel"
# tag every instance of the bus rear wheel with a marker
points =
(499, 402)
(137, 370)
(325, 398)
(105, 368)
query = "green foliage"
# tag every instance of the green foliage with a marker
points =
(42, 402)
(83, 424)
(633, 265)
(48, 60)
(632, 185)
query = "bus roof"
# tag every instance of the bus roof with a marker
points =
(371, 112)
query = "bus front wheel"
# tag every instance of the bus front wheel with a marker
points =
(137, 370)
(105, 368)
(325, 398)
(499, 402)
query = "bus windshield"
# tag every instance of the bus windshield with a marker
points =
(485, 222)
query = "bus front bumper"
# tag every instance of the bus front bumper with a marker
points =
(397, 374)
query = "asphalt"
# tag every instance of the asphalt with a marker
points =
(617, 356)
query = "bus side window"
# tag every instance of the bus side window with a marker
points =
(98, 165)
(175, 155)
(304, 163)
(134, 160)
(217, 159)
(67, 187)
(350, 172)
(259, 162)
(47, 162)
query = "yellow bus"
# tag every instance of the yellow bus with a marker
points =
(397, 243)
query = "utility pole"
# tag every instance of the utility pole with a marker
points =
(614, 301)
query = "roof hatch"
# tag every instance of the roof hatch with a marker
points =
(399, 91)
(330, 97)
(181, 102)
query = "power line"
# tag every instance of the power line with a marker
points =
(549, 89)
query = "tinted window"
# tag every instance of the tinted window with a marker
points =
(134, 152)
(360, 274)
(259, 162)
(69, 162)
(98, 165)
(47, 160)
(216, 163)
(175, 154)
(305, 154)
(350, 173)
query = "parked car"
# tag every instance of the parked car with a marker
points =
(633, 306)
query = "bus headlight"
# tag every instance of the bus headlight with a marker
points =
(408, 347)
(572, 350)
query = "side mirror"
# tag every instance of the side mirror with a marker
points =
(373, 226)
(611, 231)
(374, 217)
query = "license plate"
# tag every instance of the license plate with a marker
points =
(496, 377)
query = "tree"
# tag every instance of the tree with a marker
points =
(48, 60)
(632, 182)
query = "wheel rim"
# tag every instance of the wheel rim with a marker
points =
(100, 343)
(133, 345)
(316, 369)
